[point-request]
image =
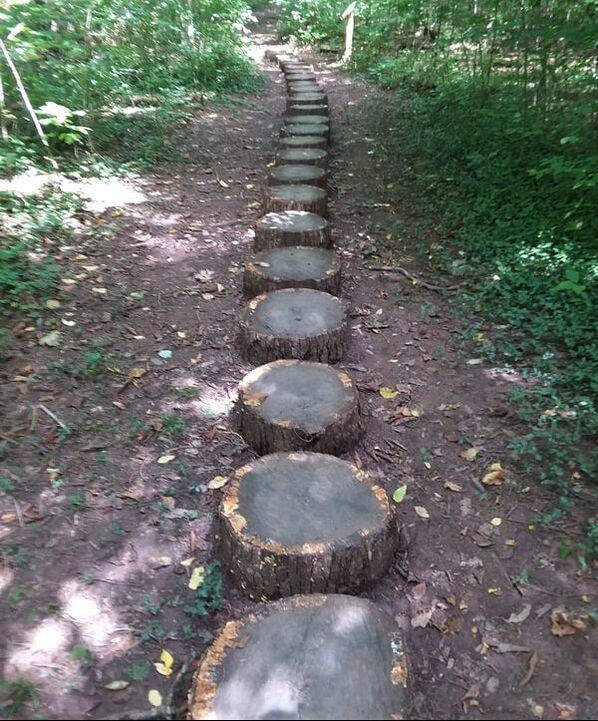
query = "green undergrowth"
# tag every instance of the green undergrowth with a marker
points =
(489, 134)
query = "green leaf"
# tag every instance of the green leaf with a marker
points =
(399, 494)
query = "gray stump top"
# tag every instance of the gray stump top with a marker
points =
(297, 173)
(297, 263)
(299, 394)
(306, 657)
(306, 119)
(300, 129)
(296, 502)
(303, 141)
(294, 221)
(298, 154)
(296, 313)
(301, 193)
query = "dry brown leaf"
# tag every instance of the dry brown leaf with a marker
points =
(470, 453)
(531, 669)
(495, 475)
(563, 625)
(455, 487)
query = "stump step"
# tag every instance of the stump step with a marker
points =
(291, 227)
(305, 657)
(305, 523)
(317, 109)
(321, 129)
(292, 267)
(294, 323)
(308, 198)
(291, 405)
(295, 173)
(303, 156)
(307, 119)
(303, 141)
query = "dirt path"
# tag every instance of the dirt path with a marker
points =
(102, 514)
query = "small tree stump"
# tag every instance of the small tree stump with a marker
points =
(307, 99)
(307, 657)
(291, 227)
(300, 76)
(303, 141)
(292, 267)
(303, 156)
(307, 109)
(305, 523)
(321, 129)
(293, 405)
(294, 323)
(307, 120)
(297, 174)
(308, 198)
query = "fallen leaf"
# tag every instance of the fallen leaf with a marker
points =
(421, 512)
(165, 354)
(470, 454)
(495, 475)
(164, 666)
(116, 685)
(196, 579)
(52, 339)
(99, 291)
(160, 561)
(531, 669)
(208, 296)
(217, 482)
(562, 625)
(154, 697)
(136, 372)
(52, 304)
(187, 562)
(118, 214)
(166, 459)
(169, 502)
(455, 487)
(119, 404)
(223, 184)
(421, 619)
(388, 393)
(521, 616)
(399, 494)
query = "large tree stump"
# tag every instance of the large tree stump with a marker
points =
(294, 323)
(296, 174)
(306, 657)
(303, 141)
(292, 267)
(302, 156)
(308, 198)
(291, 227)
(291, 405)
(321, 129)
(305, 523)
(306, 119)
(317, 109)
(306, 99)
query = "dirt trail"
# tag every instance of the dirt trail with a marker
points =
(93, 537)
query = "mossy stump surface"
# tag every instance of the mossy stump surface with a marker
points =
(291, 405)
(292, 267)
(308, 109)
(308, 198)
(291, 227)
(303, 141)
(305, 523)
(296, 174)
(302, 156)
(321, 129)
(294, 323)
(306, 657)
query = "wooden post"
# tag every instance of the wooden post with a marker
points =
(349, 16)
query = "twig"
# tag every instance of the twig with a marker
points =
(19, 514)
(410, 276)
(8, 440)
(55, 418)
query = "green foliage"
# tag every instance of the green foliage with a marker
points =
(16, 695)
(208, 597)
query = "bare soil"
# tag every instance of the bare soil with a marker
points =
(93, 537)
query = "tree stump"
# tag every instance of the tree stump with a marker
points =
(308, 198)
(303, 156)
(306, 120)
(307, 657)
(297, 174)
(305, 523)
(321, 129)
(307, 99)
(307, 109)
(293, 405)
(294, 323)
(300, 76)
(291, 227)
(303, 141)
(292, 267)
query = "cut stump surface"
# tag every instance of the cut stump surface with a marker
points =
(292, 267)
(303, 156)
(306, 657)
(303, 141)
(291, 405)
(294, 323)
(308, 198)
(305, 523)
(291, 227)
(297, 173)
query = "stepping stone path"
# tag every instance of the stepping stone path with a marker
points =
(306, 657)
(299, 520)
